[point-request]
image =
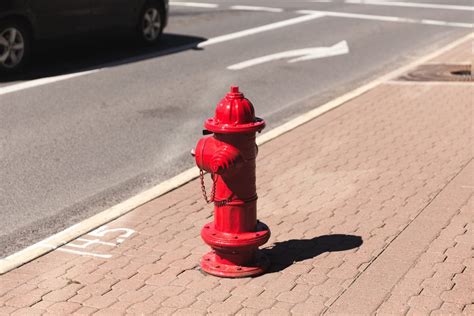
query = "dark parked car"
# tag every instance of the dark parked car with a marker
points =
(23, 22)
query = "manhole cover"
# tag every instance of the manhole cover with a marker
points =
(439, 72)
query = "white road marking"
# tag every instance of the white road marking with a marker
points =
(412, 5)
(42, 81)
(85, 253)
(259, 29)
(252, 8)
(194, 4)
(387, 18)
(301, 54)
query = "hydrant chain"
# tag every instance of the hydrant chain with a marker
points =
(213, 191)
(203, 187)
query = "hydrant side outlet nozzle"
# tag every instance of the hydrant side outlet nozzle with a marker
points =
(230, 156)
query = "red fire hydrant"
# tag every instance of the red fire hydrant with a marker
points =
(229, 156)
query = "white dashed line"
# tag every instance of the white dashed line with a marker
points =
(194, 4)
(388, 18)
(413, 5)
(42, 81)
(252, 8)
(264, 28)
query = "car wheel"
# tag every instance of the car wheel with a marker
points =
(150, 25)
(15, 46)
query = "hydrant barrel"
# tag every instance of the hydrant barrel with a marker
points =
(230, 156)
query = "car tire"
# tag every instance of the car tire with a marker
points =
(150, 23)
(15, 46)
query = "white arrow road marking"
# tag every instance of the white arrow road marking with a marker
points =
(340, 48)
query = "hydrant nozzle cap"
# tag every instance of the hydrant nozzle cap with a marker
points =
(234, 114)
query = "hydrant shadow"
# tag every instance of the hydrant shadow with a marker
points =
(284, 254)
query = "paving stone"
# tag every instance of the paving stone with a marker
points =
(393, 308)
(179, 301)
(259, 302)
(26, 300)
(84, 310)
(230, 306)
(307, 309)
(28, 311)
(247, 291)
(448, 309)
(63, 294)
(425, 303)
(459, 296)
(63, 308)
(100, 302)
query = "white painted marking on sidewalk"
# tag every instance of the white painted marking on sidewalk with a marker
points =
(87, 242)
(85, 253)
(102, 231)
(84, 243)
(194, 4)
(301, 54)
(252, 8)
(42, 81)
(260, 29)
(387, 18)
(412, 5)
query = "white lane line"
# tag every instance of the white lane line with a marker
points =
(387, 18)
(194, 4)
(264, 28)
(252, 8)
(412, 5)
(42, 81)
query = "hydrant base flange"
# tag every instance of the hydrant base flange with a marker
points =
(221, 240)
(210, 265)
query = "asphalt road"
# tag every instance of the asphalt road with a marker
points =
(71, 148)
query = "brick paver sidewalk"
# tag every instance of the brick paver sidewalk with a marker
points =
(370, 206)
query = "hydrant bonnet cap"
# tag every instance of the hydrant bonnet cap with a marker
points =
(234, 114)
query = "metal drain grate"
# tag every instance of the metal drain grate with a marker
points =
(439, 72)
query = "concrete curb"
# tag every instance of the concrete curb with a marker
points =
(116, 211)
